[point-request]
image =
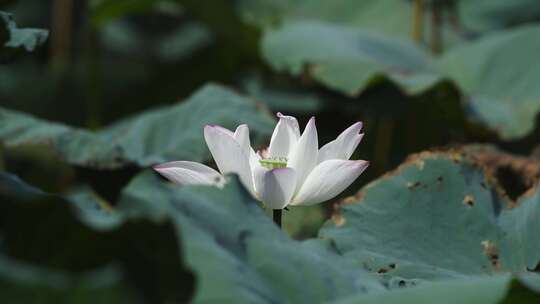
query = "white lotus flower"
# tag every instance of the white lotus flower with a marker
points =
(293, 170)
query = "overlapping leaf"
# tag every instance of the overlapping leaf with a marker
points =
(236, 252)
(160, 135)
(443, 228)
(494, 73)
(239, 255)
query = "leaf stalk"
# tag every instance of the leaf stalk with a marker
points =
(276, 216)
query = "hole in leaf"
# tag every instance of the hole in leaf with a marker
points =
(413, 185)
(385, 270)
(468, 200)
(490, 250)
(512, 182)
(512, 175)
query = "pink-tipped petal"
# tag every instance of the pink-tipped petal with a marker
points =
(292, 125)
(343, 146)
(285, 136)
(329, 179)
(275, 187)
(229, 156)
(190, 173)
(241, 135)
(303, 158)
(222, 129)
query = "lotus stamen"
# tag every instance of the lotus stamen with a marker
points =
(274, 162)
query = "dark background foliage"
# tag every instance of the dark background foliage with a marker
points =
(94, 92)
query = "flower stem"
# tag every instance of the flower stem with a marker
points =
(277, 216)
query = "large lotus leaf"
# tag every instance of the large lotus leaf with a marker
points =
(494, 73)
(239, 255)
(175, 132)
(74, 145)
(348, 59)
(59, 250)
(392, 18)
(438, 216)
(13, 38)
(499, 75)
(168, 133)
(477, 290)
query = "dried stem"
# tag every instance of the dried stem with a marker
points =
(418, 21)
(61, 26)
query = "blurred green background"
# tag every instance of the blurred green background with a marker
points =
(419, 74)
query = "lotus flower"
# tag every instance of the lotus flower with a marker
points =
(293, 170)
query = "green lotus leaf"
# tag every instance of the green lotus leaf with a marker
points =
(155, 136)
(438, 216)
